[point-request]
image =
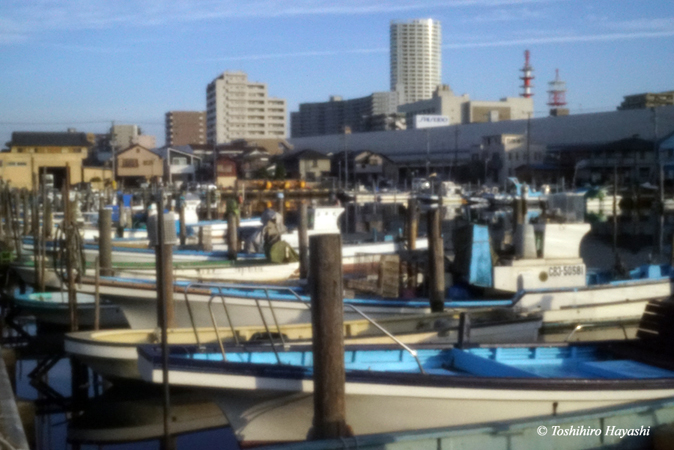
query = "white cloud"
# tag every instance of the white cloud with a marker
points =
(20, 19)
(562, 39)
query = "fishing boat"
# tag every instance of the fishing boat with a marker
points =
(547, 275)
(449, 192)
(515, 190)
(190, 265)
(267, 396)
(52, 308)
(113, 353)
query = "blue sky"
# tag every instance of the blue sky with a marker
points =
(85, 63)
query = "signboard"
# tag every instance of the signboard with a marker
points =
(430, 121)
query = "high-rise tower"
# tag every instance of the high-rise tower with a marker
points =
(415, 58)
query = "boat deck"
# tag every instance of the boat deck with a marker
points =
(587, 362)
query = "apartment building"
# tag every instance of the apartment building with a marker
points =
(416, 58)
(185, 128)
(333, 116)
(240, 109)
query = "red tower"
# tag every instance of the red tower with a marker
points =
(527, 77)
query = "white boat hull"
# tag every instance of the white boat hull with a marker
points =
(279, 410)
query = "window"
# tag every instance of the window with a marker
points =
(129, 162)
(148, 162)
(314, 163)
(179, 161)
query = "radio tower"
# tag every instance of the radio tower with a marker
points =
(527, 76)
(557, 96)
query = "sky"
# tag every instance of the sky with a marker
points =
(85, 63)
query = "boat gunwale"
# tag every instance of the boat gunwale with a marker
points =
(151, 354)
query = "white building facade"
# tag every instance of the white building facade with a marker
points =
(416, 58)
(239, 109)
(461, 109)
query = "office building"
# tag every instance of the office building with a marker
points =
(461, 109)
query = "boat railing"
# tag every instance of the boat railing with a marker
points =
(220, 294)
(389, 334)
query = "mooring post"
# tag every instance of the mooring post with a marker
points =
(14, 233)
(47, 217)
(209, 200)
(164, 259)
(232, 236)
(2, 211)
(615, 212)
(280, 197)
(436, 262)
(183, 227)
(97, 294)
(165, 313)
(71, 253)
(327, 319)
(26, 212)
(105, 241)
(303, 235)
(121, 219)
(463, 337)
(412, 231)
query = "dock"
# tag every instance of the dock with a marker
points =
(12, 434)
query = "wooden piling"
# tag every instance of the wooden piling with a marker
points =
(303, 235)
(280, 197)
(164, 260)
(232, 236)
(105, 241)
(26, 212)
(327, 317)
(68, 221)
(2, 211)
(183, 226)
(412, 232)
(47, 216)
(209, 200)
(615, 212)
(436, 262)
(165, 309)
(97, 294)
(412, 223)
(463, 337)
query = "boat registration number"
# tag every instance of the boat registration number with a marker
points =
(566, 271)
